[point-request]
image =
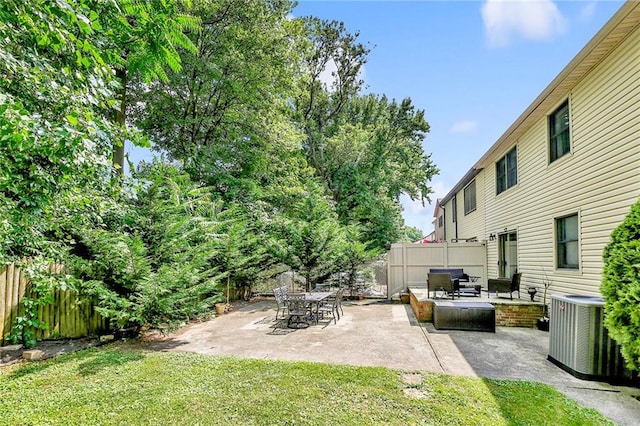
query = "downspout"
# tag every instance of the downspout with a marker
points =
(455, 197)
(444, 222)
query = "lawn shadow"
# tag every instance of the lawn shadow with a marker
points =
(35, 367)
(106, 359)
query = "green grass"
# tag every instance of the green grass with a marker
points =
(116, 385)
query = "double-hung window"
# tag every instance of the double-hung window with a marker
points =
(559, 134)
(470, 197)
(567, 243)
(507, 171)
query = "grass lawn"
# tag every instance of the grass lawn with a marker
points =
(118, 385)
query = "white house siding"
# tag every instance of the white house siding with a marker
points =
(599, 179)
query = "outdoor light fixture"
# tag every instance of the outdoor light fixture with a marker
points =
(492, 236)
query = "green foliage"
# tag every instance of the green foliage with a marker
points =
(354, 254)
(310, 237)
(367, 150)
(51, 137)
(142, 40)
(108, 271)
(224, 115)
(151, 260)
(621, 286)
(412, 234)
(276, 166)
(181, 223)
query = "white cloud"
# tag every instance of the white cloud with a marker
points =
(328, 75)
(588, 11)
(506, 20)
(419, 216)
(413, 207)
(464, 127)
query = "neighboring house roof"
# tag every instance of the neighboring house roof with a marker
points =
(620, 26)
(436, 210)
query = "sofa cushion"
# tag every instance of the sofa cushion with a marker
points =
(456, 273)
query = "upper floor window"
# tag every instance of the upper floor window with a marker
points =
(567, 244)
(507, 171)
(559, 137)
(440, 221)
(470, 197)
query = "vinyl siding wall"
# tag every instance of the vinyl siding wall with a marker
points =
(599, 179)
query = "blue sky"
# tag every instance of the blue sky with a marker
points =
(473, 66)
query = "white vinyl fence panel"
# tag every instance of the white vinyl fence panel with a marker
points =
(409, 264)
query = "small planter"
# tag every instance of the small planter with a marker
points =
(543, 324)
(404, 298)
(220, 308)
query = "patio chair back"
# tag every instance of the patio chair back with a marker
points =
(339, 295)
(442, 282)
(298, 307)
(280, 294)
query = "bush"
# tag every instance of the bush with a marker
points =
(621, 286)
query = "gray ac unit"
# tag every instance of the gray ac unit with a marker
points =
(579, 343)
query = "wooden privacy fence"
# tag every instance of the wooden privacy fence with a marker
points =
(409, 264)
(65, 316)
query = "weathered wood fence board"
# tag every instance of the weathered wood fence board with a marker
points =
(67, 318)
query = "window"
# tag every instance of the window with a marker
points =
(470, 197)
(567, 242)
(507, 171)
(454, 206)
(559, 139)
(440, 221)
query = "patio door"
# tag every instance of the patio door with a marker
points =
(508, 254)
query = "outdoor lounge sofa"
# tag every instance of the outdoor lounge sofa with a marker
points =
(505, 285)
(456, 273)
(463, 279)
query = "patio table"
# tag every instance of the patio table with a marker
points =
(315, 298)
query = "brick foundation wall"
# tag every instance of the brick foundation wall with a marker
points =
(518, 315)
(507, 315)
(423, 309)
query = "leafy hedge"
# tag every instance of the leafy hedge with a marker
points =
(621, 286)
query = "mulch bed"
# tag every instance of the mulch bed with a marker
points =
(12, 354)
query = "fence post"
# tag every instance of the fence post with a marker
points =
(445, 255)
(405, 267)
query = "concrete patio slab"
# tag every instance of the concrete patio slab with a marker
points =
(368, 334)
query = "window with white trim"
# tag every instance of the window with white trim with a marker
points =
(567, 242)
(470, 197)
(507, 171)
(559, 134)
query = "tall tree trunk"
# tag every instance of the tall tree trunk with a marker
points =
(120, 118)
